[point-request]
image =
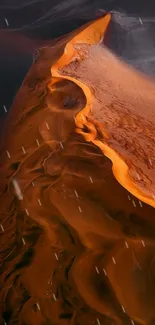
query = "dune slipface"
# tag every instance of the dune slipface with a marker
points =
(77, 189)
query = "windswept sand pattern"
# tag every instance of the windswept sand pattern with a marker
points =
(76, 246)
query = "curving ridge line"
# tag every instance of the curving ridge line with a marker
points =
(93, 34)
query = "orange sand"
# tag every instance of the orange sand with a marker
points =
(77, 247)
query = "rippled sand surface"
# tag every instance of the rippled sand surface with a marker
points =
(76, 244)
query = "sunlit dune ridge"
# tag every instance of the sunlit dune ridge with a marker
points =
(119, 112)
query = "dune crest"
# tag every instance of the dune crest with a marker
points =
(119, 112)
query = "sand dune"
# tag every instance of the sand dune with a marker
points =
(77, 189)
